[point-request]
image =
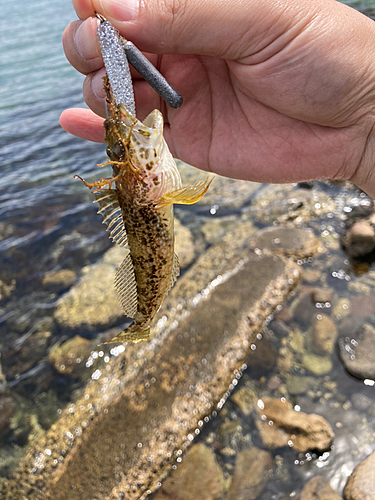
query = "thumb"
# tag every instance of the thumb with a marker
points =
(230, 29)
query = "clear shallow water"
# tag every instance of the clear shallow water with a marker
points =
(47, 220)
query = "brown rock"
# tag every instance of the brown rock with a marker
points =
(318, 488)
(63, 278)
(246, 399)
(321, 295)
(363, 305)
(7, 407)
(184, 244)
(359, 240)
(357, 352)
(292, 428)
(294, 242)
(68, 357)
(198, 476)
(361, 484)
(252, 470)
(324, 334)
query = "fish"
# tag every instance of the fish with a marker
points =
(137, 206)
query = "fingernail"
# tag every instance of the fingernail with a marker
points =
(97, 84)
(121, 10)
(85, 39)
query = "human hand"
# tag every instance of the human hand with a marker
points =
(273, 91)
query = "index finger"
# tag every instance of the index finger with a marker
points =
(83, 8)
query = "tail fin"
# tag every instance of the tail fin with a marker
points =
(128, 335)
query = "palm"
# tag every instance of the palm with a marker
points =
(222, 129)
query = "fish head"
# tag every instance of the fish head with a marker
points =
(150, 155)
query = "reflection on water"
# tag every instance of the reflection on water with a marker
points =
(50, 236)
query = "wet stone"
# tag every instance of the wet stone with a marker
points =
(357, 352)
(361, 484)
(324, 334)
(363, 305)
(93, 301)
(359, 240)
(321, 295)
(292, 428)
(68, 357)
(292, 242)
(197, 476)
(61, 279)
(318, 488)
(144, 411)
(252, 471)
(184, 244)
(7, 408)
(245, 399)
(319, 365)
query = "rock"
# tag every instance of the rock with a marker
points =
(68, 358)
(321, 295)
(251, 473)
(292, 242)
(279, 328)
(274, 383)
(7, 408)
(285, 360)
(319, 365)
(357, 352)
(324, 334)
(198, 476)
(59, 279)
(93, 302)
(361, 484)
(296, 340)
(184, 244)
(155, 395)
(299, 385)
(6, 289)
(361, 402)
(263, 358)
(363, 305)
(292, 428)
(359, 240)
(246, 399)
(318, 488)
(341, 308)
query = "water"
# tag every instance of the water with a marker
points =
(47, 219)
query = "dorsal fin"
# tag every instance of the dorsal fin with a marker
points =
(126, 287)
(109, 208)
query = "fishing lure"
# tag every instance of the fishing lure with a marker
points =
(138, 210)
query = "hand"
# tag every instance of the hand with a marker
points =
(273, 91)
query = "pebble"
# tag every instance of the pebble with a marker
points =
(292, 428)
(68, 357)
(359, 240)
(324, 334)
(198, 476)
(361, 484)
(245, 399)
(252, 471)
(357, 352)
(318, 488)
(319, 365)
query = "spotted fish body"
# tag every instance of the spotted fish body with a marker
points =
(139, 212)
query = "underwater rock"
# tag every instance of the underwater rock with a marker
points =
(292, 242)
(93, 302)
(363, 305)
(318, 488)
(299, 385)
(324, 334)
(359, 239)
(184, 244)
(61, 279)
(357, 352)
(341, 308)
(321, 295)
(7, 408)
(361, 484)
(292, 428)
(198, 476)
(245, 399)
(252, 471)
(141, 409)
(68, 357)
(319, 365)
(6, 289)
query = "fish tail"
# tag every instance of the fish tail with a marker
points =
(128, 335)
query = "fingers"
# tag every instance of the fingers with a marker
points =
(83, 123)
(228, 29)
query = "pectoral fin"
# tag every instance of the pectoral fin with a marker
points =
(109, 208)
(187, 195)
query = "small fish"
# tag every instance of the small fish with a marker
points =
(138, 210)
